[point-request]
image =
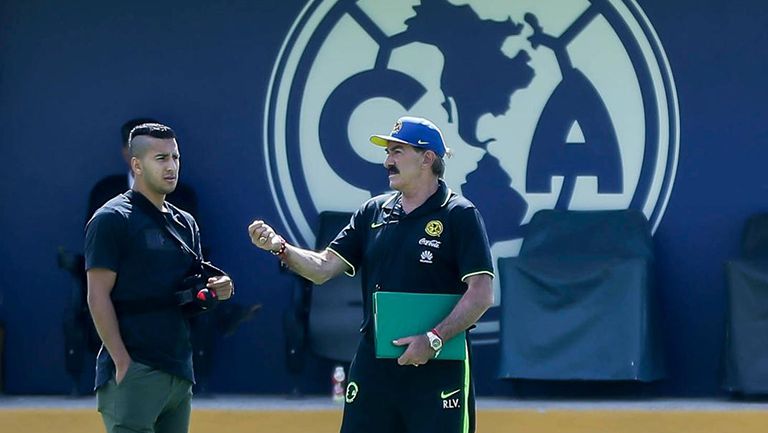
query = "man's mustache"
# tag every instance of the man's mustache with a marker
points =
(392, 170)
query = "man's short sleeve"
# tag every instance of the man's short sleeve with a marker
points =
(348, 244)
(473, 252)
(103, 236)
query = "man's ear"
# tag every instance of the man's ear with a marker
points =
(135, 165)
(429, 158)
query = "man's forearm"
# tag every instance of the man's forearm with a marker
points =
(317, 267)
(314, 266)
(105, 320)
(471, 306)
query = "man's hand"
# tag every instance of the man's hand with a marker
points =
(263, 236)
(418, 351)
(121, 368)
(222, 286)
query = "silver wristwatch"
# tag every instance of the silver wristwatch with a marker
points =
(435, 342)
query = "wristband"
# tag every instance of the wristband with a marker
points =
(281, 250)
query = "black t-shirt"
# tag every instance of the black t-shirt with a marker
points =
(432, 249)
(125, 235)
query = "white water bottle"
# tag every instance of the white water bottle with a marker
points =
(338, 379)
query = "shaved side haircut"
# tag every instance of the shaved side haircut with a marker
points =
(154, 130)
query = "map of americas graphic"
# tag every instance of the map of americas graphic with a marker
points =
(567, 112)
(474, 63)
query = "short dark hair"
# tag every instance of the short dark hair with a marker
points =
(154, 130)
(438, 165)
(125, 130)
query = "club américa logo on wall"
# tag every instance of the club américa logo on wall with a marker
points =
(546, 104)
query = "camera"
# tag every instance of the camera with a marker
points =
(194, 297)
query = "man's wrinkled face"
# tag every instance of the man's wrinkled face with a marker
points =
(404, 165)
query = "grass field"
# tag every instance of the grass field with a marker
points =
(263, 415)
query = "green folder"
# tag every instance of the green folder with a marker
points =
(397, 315)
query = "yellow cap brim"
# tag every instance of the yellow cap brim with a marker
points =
(383, 140)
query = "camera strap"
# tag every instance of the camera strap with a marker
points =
(179, 298)
(175, 234)
(161, 218)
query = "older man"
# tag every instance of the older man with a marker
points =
(422, 238)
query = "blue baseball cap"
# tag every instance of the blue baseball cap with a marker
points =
(415, 131)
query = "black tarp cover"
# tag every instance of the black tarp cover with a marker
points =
(746, 330)
(578, 303)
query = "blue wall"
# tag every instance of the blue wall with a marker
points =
(69, 76)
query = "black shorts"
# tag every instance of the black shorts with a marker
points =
(384, 397)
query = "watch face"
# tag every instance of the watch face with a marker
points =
(434, 341)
